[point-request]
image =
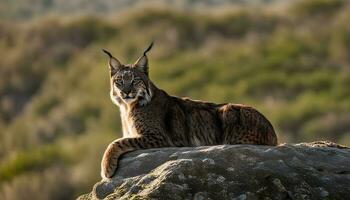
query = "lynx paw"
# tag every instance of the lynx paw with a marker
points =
(105, 174)
(109, 162)
(108, 169)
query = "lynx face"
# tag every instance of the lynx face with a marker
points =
(130, 85)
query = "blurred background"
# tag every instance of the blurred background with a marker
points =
(289, 59)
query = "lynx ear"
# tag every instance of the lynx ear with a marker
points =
(142, 62)
(114, 64)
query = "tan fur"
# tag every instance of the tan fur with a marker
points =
(152, 118)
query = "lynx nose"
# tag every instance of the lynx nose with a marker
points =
(127, 92)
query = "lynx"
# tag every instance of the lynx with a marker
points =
(152, 119)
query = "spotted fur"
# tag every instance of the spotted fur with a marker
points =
(151, 118)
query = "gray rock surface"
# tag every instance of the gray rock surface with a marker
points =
(300, 171)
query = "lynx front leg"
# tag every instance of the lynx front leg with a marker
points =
(118, 147)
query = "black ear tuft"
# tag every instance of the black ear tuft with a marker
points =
(142, 62)
(114, 64)
(148, 48)
(107, 52)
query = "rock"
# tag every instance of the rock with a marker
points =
(318, 170)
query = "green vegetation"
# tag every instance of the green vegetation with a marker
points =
(34, 160)
(56, 117)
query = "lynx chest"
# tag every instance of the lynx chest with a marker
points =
(128, 125)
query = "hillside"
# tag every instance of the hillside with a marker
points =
(32, 9)
(56, 117)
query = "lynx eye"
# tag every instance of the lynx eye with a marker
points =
(118, 81)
